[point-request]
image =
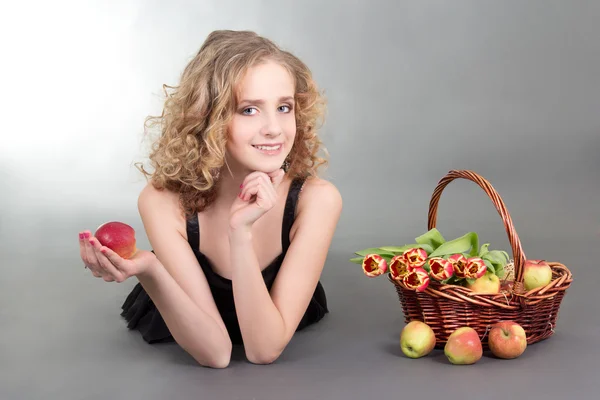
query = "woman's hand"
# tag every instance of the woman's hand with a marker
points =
(257, 196)
(108, 265)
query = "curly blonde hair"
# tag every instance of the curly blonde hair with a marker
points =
(190, 151)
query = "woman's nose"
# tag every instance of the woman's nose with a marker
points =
(271, 127)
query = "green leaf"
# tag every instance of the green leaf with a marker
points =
(432, 238)
(453, 280)
(370, 250)
(470, 281)
(428, 248)
(357, 260)
(500, 271)
(498, 259)
(401, 249)
(484, 249)
(490, 267)
(468, 243)
(396, 249)
(426, 266)
(496, 256)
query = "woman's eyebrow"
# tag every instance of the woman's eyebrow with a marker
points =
(259, 101)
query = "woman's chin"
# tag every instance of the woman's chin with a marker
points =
(266, 168)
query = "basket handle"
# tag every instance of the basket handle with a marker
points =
(517, 250)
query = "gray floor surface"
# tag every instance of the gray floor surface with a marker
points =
(61, 336)
(507, 88)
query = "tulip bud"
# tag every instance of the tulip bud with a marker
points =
(417, 279)
(374, 265)
(441, 269)
(475, 268)
(399, 267)
(459, 263)
(416, 257)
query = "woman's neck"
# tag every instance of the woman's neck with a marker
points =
(229, 186)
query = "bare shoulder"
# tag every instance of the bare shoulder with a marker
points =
(319, 206)
(151, 196)
(320, 194)
(161, 206)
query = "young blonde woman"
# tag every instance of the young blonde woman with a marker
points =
(238, 220)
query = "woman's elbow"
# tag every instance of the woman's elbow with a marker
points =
(219, 363)
(263, 358)
(216, 359)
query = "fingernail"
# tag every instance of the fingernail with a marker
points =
(81, 236)
(241, 186)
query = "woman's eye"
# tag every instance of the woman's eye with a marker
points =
(285, 108)
(247, 111)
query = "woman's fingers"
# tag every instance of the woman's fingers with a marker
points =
(91, 258)
(82, 252)
(125, 268)
(277, 177)
(252, 176)
(249, 189)
(110, 270)
(265, 195)
(252, 187)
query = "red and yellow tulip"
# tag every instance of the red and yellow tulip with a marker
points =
(441, 269)
(374, 265)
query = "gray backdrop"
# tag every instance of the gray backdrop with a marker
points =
(509, 89)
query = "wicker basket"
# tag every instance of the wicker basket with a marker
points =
(448, 307)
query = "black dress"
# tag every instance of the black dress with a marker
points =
(141, 314)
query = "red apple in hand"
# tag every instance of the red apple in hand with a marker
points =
(118, 237)
(507, 339)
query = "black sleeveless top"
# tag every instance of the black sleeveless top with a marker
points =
(141, 314)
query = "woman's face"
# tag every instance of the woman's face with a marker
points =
(263, 128)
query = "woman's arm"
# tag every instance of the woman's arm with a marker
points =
(177, 285)
(268, 321)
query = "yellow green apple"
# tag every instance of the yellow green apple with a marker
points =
(487, 284)
(463, 346)
(507, 339)
(417, 339)
(536, 273)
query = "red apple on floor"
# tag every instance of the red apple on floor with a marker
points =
(463, 346)
(536, 273)
(507, 339)
(118, 237)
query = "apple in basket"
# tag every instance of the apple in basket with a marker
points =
(507, 339)
(417, 339)
(536, 273)
(487, 284)
(463, 346)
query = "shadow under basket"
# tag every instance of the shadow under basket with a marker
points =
(448, 307)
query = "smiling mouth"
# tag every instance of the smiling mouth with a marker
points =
(268, 148)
